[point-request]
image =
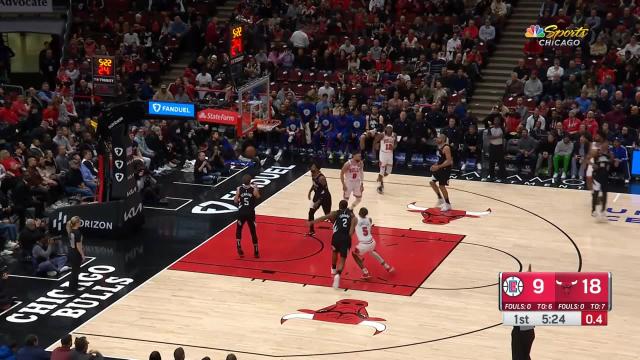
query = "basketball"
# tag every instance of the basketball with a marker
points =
(250, 152)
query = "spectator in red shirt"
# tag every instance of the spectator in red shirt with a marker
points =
(591, 124)
(20, 107)
(7, 115)
(384, 64)
(471, 29)
(513, 123)
(50, 113)
(604, 72)
(571, 124)
(532, 48)
(11, 165)
(63, 352)
(211, 34)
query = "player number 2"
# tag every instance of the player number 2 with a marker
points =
(365, 231)
(538, 286)
(344, 223)
(592, 286)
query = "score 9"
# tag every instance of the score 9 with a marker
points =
(538, 286)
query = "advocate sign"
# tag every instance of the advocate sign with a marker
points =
(26, 6)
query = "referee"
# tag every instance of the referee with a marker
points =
(76, 252)
(522, 340)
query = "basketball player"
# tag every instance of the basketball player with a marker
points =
(344, 224)
(351, 176)
(321, 195)
(601, 165)
(387, 143)
(366, 243)
(441, 171)
(246, 196)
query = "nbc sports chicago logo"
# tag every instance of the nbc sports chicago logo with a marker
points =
(552, 36)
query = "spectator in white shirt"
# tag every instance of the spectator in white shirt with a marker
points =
(487, 32)
(453, 45)
(633, 47)
(533, 118)
(347, 47)
(376, 5)
(556, 69)
(327, 89)
(203, 80)
(131, 38)
(299, 39)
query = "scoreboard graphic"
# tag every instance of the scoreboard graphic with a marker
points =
(555, 298)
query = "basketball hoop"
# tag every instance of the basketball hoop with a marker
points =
(266, 124)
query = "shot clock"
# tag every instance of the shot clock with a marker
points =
(555, 299)
(104, 75)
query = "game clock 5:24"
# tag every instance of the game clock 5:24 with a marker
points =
(553, 319)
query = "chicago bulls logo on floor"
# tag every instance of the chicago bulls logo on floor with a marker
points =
(436, 216)
(346, 311)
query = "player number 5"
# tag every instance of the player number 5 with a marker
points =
(365, 231)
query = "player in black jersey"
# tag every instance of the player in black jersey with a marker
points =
(321, 195)
(344, 224)
(246, 196)
(600, 186)
(441, 172)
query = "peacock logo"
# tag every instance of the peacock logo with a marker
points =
(534, 31)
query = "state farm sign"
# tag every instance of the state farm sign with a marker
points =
(218, 116)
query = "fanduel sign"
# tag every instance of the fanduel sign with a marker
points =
(25, 6)
(163, 108)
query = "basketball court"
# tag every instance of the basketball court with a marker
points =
(440, 303)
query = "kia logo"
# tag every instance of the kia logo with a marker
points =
(156, 107)
(119, 164)
(119, 177)
(118, 151)
(132, 212)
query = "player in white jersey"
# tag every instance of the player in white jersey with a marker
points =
(366, 243)
(351, 176)
(387, 143)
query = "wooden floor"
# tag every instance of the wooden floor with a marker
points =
(212, 315)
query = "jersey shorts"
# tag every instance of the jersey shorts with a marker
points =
(323, 201)
(341, 243)
(364, 248)
(353, 187)
(386, 163)
(441, 176)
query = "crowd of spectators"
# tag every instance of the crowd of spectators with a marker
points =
(69, 349)
(573, 95)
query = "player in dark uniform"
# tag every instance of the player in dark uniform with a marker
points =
(441, 171)
(321, 195)
(246, 196)
(344, 224)
(601, 165)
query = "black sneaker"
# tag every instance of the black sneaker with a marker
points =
(240, 252)
(256, 254)
(380, 190)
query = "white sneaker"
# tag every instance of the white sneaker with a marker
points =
(333, 271)
(595, 214)
(336, 281)
(463, 166)
(479, 166)
(10, 245)
(439, 203)
(564, 176)
(65, 268)
(52, 273)
(278, 155)
(6, 252)
(445, 207)
(602, 217)
(268, 152)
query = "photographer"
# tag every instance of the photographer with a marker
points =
(202, 170)
(46, 260)
(81, 350)
(148, 187)
(6, 300)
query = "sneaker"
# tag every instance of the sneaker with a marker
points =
(262, 162)
(626, 181)
(333, 271)
(479, 166)
(268, 152)
(240, 252)
(581, 177)
(336, 281)
(278, 155)
(564, 175)
(445, 207)
(389, 268)
(330, 155)
(64, 269)
(439, 203)
(595, 214)
(366, 276)
(11, 245)
(602, 217)
(52, 273)
(342, 157)
(463, 166)
(256, 254)
(380, 190)
(6, 252)
(310, 233)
